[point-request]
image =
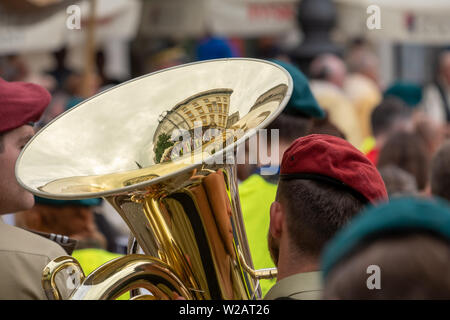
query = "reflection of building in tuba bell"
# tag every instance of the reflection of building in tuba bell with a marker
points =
(184, 215)
(208, 110)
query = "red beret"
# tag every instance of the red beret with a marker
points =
(21, 103)
(332, 159)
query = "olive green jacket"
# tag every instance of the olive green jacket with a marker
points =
(300, 286)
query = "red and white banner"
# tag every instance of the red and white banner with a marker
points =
(251, 18)
(240, 18)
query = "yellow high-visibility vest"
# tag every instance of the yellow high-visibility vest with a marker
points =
(92, 258)
(256, 196)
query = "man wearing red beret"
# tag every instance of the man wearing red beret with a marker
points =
(23, 255)
(324, 182)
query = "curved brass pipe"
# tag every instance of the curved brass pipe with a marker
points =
(52, 269)
(268, 273)
(123, 274)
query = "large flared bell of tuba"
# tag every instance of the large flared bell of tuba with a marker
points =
(161, 149)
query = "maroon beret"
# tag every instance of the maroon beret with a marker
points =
(21, 103)
(331, 159)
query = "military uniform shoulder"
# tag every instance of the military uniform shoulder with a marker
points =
(13, 239)
(300, 286)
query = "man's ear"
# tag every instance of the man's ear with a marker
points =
(276, 219)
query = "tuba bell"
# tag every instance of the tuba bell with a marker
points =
(162, 150)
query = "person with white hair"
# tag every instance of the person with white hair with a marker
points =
(328, 73)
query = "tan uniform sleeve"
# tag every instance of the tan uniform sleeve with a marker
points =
(23, 257)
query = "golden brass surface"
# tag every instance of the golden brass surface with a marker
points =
(181, 203)
(126, 273)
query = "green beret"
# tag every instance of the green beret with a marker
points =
(410, 93)
(398, 215)
(60, 203)
(302, 102)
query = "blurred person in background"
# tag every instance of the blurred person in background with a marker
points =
(74, 88)
(440, 172)
(431, 132)
(13, 68)
(60, 72)
(389, 117)
(105, 82)
(213, 47)
(256, 191)
(328, 73)
(325, 126)
(362, 85)
(324, 182)
(76, 220)
(171, 56)
(437, 95)
(410, 93)
(398, 250)
(407, 151)
(398, 182)
(23, 255)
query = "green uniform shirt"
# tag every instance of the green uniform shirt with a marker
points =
(256, 195)
(300, 286)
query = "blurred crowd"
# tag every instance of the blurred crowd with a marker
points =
(402, 129)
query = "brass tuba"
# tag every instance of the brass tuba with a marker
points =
(161, 149)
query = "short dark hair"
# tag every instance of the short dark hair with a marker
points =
(291, 127)
(413, 264)
(407, 151)
(398, 182)
(315, 211)
(325, 126)
(387, 113)
(440, 172)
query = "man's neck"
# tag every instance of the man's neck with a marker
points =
(290, 263)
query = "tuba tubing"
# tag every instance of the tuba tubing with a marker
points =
(117, 277)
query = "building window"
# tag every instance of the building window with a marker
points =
(225, 110)
(220, 107)
(218, 99)
(203, 120)
(206, 100)
(190, 115)
(211, 117)
(210, 109)
(224, 99)
(200, 110)
(185, 109)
